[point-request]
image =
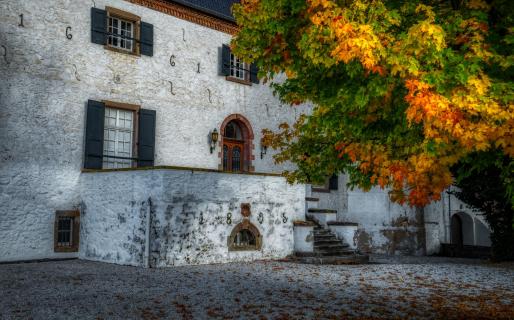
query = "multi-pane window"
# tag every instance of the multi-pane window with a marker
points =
(236, 158)
(118, 138)
(120, 33)
(64, 231)
(237, 68)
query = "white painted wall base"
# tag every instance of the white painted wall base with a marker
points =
(192, 215)
(303, 239)
(346, 233)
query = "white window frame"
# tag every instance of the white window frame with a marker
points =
(115, 30)
(238, 68)
(121, 134)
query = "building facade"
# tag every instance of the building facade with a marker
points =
(131, 134)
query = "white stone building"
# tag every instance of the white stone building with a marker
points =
(108, 110)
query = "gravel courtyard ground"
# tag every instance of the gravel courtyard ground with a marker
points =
(261, 290)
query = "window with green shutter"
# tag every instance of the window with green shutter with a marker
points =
(118, 135)
(121, 31)
(236, 69)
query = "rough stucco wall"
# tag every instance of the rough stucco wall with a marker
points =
(385, 227)
(47, 80)
(114, 230)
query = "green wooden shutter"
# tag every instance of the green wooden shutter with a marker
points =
(94, 142)
(146, 39)
(254, 70)
(333, 182)
(225, 60)
(146, 138)
(98, 26)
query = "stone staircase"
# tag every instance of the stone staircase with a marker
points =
(328, 249)
(327, 244)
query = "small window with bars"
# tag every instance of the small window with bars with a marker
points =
(120, 33)
(238, 69)
(66, 231)
(118, 138)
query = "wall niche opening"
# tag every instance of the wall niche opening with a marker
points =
(245, 237)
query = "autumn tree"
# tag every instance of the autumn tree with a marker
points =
(401, 91)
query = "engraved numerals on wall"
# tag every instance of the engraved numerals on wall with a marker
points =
(68, 33)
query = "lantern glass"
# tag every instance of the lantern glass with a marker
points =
(214, 136)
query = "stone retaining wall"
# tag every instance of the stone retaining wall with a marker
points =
(192, 214)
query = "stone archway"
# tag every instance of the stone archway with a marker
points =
(466, 230)
(243, 144)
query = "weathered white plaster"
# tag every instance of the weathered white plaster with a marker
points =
(384, 226)
(189, 213)
(346, 233)
(323, 217)
(303, 239)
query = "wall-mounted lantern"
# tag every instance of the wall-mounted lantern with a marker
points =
(264, 148)
(214, 139)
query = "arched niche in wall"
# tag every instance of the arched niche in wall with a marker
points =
(462, 229)
(236, 144)
(245, 237)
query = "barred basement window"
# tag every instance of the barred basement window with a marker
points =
(244, 237)
(66, 231)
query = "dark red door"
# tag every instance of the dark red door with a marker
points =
(233, 155)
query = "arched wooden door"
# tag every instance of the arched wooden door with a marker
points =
(233, 147)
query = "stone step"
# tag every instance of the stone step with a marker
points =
(322, 231)
(326, 240)
(329, 249)
(334, 253)
(331, 244)
(337, 260)
(325, 235)
(318, 210)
